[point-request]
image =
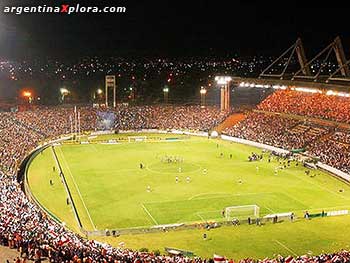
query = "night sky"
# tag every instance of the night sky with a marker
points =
(172, 28)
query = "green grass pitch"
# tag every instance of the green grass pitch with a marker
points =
(111, 191)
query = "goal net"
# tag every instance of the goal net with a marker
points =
(137, 138)
(242, 212)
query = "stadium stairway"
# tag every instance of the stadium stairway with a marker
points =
(230, 121)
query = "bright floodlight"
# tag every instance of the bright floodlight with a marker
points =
(27, 94)
(166, 90)
(203, 91)
(64, 91)
(223, 80)
(99, 91)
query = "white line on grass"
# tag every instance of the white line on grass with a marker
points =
(76, 186)
(269, 209)
(149, 214)
(285, 247)
(200, 217)
(93, 147)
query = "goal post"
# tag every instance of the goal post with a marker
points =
(137, 138)
(242, 212)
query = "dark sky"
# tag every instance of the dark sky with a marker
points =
(174, 28)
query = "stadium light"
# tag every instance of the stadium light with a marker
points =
(99, 91)
(336, 93)
(223, 80)
(64, 93)
(27, 94)
(308, 90)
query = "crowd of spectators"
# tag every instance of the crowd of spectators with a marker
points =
(275, 130)
(333, 150)
(15, 140)
(168, 117)
(318, 105)
(341, 136)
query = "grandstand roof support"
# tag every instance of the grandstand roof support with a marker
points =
(296, 48)
(331, 77)
(335, 46)
(225, 98)
(340, 54)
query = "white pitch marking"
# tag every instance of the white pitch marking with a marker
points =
(287, 248)
(149, 214)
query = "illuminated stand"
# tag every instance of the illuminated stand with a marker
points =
(111, 83)
(224, 82)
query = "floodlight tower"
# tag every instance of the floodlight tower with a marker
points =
(110, 82)
(166, 94)
(203, 92)
(64, 92)
(224, 83)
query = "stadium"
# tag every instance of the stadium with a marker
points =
(181, 183)
(113, 152)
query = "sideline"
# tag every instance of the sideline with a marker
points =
(76, 186)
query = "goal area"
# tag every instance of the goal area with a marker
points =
(137, 138)
(242, 212)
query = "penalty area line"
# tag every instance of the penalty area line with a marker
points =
(200, 217)
(149, 214)
(285, 247)
(269, 209)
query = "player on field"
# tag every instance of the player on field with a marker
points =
(176, 179)
(188, 179)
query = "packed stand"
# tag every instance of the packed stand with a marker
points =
(54, 121)
(333, 150)
(315, 105)
(275, 130)
(168, 117)
(15, 140)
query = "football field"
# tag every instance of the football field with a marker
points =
(182, 180)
